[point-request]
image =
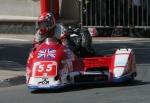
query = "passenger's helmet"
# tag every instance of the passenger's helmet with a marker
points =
(46, 22)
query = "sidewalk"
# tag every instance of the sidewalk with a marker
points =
(9, 18)
(9, 78)
(7, 74)
(11, 73)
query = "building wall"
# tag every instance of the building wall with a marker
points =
(11, 12)
(19, 7)
(68, 8)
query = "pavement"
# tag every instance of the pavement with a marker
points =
(11, 73)
(11, 78)
(9, 18)
(6, 74)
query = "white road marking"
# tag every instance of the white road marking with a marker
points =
(14, 39)
(94, 39)
(111, 40)
(121, 40)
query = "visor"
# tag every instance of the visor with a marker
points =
(43, 25)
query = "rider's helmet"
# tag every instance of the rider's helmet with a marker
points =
(46, 22)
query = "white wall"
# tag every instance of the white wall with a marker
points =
(69, 8)
(19, 7)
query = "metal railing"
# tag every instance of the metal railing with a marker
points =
(115, 13)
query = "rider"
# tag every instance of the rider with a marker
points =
(47, 27)
(46, 24)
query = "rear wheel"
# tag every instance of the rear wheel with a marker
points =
(132, 79)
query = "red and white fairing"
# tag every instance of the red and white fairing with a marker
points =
(43, 64)
(124, 65)
(48, 67)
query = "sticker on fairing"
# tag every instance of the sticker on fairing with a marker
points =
(44, 81)
(47, 53)
(45, 69)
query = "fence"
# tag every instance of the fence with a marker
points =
(115, 13)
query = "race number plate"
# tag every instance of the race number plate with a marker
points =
(45, 69)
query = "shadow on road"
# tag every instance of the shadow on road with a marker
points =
(14, 56)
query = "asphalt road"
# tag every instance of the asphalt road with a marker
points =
(16, 51)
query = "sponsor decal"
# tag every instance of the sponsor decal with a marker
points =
(47, 53)
(44, 81)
